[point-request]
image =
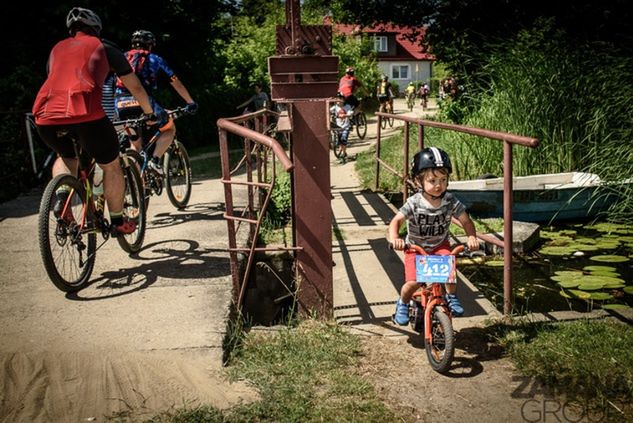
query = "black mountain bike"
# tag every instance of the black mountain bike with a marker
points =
(176, 178)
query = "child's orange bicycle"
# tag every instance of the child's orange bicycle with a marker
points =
(429, 312)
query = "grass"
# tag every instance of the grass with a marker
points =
(305, 373)
(588, 359)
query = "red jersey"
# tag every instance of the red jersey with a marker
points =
(347, 85)
(77, 69)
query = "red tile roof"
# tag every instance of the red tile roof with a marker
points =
(409, 39)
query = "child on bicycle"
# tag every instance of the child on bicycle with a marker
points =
(343, 113)
(428, 215)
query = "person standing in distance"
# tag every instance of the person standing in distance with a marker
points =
(69, 103)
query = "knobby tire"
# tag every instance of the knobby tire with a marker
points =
(133, 209)
(67, 253)
(177, 168)
(441, 350)
(361, 125)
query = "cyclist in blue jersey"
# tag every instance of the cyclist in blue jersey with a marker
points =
(147, 67)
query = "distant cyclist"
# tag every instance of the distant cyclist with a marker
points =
(147, 67)
(69, 104)
(385, 92)
(347, 85)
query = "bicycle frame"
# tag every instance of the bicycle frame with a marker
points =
(432, 296)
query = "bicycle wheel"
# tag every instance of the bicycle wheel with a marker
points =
(390, 120)
(133, 209)
(178, 175)
(67, 249)
(383, 120)
(139, 160)
(334, 144)
(361, 125)
(441, 349)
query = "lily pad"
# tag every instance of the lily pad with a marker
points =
(613, 285)
(598, 268)
(580, 294)
(556, 251)
(565, 273)
(615, 306)
(586, 247)
(569, 283)
(604, 273)
(589, 241)
(590, 286)
(609, 259)
(601, 296)
(628, 290)
(567, 232)
(495, 263)
(564, 294)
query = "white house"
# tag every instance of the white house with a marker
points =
(401, 55)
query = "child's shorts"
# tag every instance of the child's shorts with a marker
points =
(443, 249)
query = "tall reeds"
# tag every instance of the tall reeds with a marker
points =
(577, 100)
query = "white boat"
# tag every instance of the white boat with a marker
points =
(544, 198)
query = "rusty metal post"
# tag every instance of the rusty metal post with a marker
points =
(228, 200)
(303, 75)
(405, 170)
(507, 228)
(420, 137)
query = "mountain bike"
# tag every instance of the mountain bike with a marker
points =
(428, 312)
(176, 178)
(385, 107)
(68, 238)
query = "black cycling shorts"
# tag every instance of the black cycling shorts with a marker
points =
(97, 138)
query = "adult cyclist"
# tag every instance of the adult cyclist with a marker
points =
(69, 103)
(147, 67)
(346, 87)
(385, 93)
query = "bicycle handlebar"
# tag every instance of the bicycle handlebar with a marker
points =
(174, 114)
(458, 248)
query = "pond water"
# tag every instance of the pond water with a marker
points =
(576, 267)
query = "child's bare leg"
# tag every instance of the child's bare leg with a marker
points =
(407, 290)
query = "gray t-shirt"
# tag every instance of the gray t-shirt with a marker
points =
(427, 225)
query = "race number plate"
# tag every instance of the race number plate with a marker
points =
(435, 269)
(123, 104)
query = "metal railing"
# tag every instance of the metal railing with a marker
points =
(507, 139)
(250, 128)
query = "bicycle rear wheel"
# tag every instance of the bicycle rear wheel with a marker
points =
(441, 349)
(178, 175)
(361, 125)
(66, 247)
(133, 209)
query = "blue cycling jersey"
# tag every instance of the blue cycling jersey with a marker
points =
(147, 67)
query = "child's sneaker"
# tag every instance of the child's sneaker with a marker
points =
(454, 305)
(401, 316)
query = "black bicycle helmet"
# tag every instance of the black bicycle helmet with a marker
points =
(430, 158)
(85, 16)
(143, 38)
(349, 71)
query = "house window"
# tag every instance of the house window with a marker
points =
(400, 72)
(380, 44)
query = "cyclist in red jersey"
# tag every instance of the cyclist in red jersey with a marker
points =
(69, 103)
(346, 86)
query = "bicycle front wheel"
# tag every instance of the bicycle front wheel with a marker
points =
(139, 161)
(361, 125)
(334, 144)
(67, 249)
(441, 349)
(133, 209)
(178, 175)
